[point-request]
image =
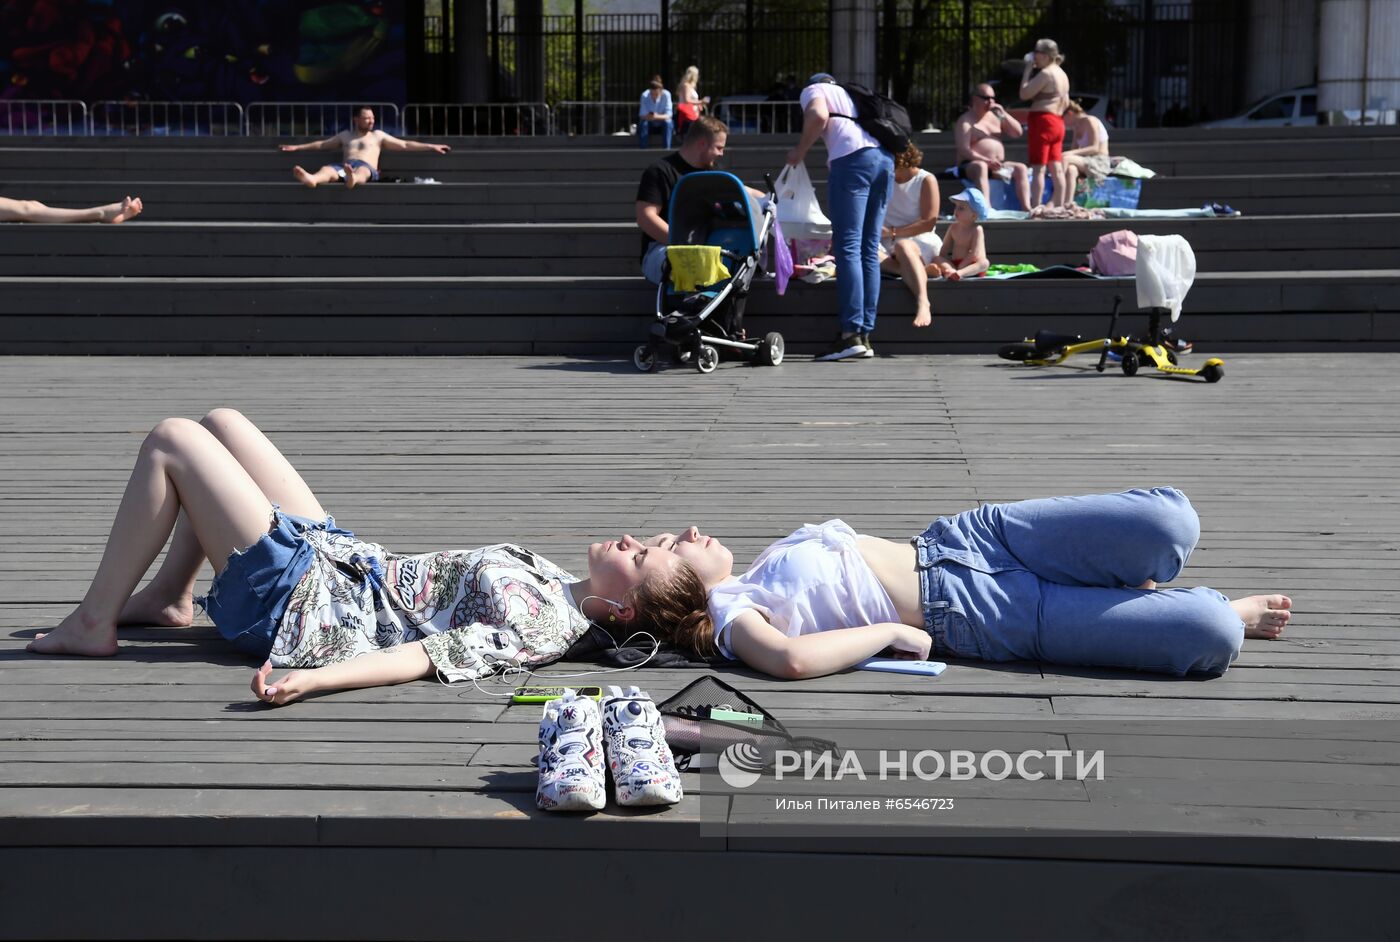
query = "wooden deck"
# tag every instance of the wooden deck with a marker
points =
(146, 796)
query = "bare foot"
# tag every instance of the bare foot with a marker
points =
(305, 178)
(1148, 586)
(150, 608)
(78, 634)
(1263, 615)
(121, 212)
(350, 181)
(923, 316)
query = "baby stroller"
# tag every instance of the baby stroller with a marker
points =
(719, 238)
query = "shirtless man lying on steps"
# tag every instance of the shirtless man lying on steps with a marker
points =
(35, 211)
(360, 148)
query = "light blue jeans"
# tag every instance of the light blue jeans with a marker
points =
(654, 262)
(858, 190)
(1051, 580)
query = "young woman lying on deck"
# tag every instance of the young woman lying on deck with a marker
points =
(1065, 580)
(293, 587)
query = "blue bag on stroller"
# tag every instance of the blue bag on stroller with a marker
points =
(718, 241)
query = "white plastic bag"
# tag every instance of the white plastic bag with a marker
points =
(1166, 269)
(798, 209)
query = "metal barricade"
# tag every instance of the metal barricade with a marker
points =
(47, 116)
(751, 115)
(595, 117)
(315, 118)
(167, 118)
(483, 119)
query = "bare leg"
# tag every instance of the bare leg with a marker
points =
(911, 269)
(1057, 177)
(324, 175)
(355, 177)
(35, 211)
(976, 174)
(180, 465)
(168, 599)
(1037, 184)
(1071, 180)
(1264, 616)
(1020, 179)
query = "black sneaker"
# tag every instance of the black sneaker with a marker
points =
(843, 348)
(869, 347)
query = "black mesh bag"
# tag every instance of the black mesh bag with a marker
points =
(690, 729)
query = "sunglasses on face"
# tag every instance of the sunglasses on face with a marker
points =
(987, 97)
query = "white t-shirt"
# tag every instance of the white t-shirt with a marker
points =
(813, 580)
(842, 135)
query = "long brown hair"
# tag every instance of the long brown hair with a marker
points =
(676, 607)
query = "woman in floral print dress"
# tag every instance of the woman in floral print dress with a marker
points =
(292, 587)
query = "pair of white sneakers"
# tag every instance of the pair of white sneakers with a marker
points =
(575, 733)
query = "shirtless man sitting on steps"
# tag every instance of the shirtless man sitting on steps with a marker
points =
(977, 134)
(360, 148)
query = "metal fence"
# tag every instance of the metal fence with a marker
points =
(166, 118)
(477, 120)
(595, 117)
(1158, 62)
(43, 117)
(314, 118)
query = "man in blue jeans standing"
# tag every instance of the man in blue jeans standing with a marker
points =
(858, 190)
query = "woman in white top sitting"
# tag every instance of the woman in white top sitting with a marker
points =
(1066, 580)
(1088, 160)
(907, 239)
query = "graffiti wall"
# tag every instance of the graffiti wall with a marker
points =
(202, 50)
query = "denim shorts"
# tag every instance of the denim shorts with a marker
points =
(246, 601)
(354, 164)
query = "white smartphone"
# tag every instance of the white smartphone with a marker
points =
(894, 666)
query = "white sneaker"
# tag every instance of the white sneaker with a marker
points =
(644, 772)
(572, 774)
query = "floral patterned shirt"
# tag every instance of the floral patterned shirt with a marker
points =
(476, 611)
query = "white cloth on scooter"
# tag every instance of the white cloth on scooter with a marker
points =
(1166, 269)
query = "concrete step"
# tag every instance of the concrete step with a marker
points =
(588, 201)
(253, 250)
(1224, 311)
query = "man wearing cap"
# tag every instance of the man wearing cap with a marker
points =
(858, 190)
(981, 154)
(964, 252)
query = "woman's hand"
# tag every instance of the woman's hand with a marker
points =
(911, 644)
(887, 232)
(291, 687)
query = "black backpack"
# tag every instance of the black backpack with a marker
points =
(881, 117)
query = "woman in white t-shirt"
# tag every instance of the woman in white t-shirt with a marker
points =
(1065, 580)
(907, 240)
